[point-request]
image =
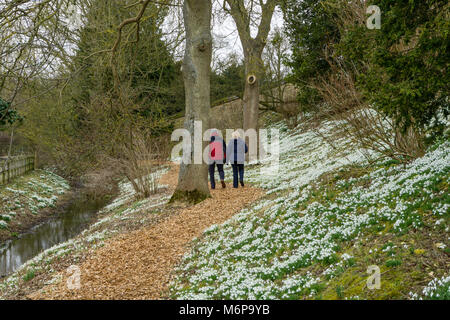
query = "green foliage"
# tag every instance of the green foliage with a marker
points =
(407, 78)
(401, 69)
(340, 292)
(8, 115)
(310, 30)
(440, 293)
(29, 275)
(393, 263)
(227, 82)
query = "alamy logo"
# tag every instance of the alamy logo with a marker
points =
(191, 150)
(374, 21)
(374, 280)
(74, 280)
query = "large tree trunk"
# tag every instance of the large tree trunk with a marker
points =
(253, 48)
(193, 177)
(254, 70)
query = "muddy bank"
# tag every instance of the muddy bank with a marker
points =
(25, 223)
(28, 200)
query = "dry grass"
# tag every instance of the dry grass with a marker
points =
(343, 101)
(360, 123)
(283, 100)
(227, 115)
(137, 163)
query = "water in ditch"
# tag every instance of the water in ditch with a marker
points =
(60, 227)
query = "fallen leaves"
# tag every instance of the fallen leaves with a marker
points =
(138, 265)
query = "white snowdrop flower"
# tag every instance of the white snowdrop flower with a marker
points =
(275, 239)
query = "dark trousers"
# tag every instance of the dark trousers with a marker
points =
(238, 168)
(212, 167)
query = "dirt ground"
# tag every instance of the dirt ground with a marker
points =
(138, 265)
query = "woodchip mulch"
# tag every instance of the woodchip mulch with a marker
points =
(138, 265)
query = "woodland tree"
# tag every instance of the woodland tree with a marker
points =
(227, 80)
(310, 29)
(244, 15)
(193, 177)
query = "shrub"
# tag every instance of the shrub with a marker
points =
(404, 64)
(360, 123)
(8, 115)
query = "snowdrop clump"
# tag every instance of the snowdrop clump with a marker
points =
(14, 191)
(5, 217)
(260, 252)
(303, 158)
(436, 289)
(37, 193)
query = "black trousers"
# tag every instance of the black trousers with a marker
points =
(238, 168)
(212, 167)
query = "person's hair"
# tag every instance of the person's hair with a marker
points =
(235, 135)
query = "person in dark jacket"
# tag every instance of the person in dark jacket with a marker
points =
(236, 151)
(217, 156)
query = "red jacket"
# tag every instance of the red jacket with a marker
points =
(217, 148)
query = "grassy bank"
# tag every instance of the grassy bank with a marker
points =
(328, 216)
(124, 214)
(24, 201)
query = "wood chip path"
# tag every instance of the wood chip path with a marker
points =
(138, 265)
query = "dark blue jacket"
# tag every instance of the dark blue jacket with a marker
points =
(236, 151)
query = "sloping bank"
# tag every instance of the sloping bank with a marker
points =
(138, 264)
(326, 217)
(121, 215)
(27, 200)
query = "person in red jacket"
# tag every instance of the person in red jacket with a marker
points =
(217, 156)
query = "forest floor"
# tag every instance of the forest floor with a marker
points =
(138, 265)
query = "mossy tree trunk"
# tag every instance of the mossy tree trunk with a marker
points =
(193, 177)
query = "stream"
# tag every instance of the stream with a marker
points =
(67, 223)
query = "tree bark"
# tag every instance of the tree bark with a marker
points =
(193, 178)
(254, 70)
(253, 48)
